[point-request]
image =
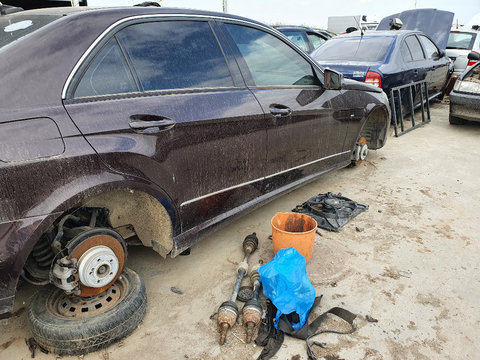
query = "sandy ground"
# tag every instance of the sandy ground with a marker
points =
(414, 267)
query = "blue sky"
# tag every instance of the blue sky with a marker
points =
(316, 12)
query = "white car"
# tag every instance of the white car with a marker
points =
(460, 43)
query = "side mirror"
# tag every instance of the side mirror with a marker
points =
(472, 55)
(332, 79)
(441, 53)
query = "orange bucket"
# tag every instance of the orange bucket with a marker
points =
(294, 230)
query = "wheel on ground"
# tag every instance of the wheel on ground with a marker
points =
(456, 120)
(74, 325)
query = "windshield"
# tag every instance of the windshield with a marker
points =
(461, 40)
(15, 26)
(364, 49)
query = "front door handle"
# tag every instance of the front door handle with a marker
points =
(146, 123)
(280, 110)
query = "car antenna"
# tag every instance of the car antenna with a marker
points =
(359, 26)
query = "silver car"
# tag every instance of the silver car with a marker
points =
(460, 42)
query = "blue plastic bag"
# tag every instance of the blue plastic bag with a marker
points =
(285, 283)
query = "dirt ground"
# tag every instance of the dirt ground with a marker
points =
(414, 267)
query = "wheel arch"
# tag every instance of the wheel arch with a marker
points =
(375, 127)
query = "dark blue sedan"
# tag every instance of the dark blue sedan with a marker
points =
(387, 59)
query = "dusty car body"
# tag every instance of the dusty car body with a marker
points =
(94, 133)
(465, 96)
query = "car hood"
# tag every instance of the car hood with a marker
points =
(435, 23)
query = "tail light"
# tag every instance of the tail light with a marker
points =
(374, 79)
(472, 62)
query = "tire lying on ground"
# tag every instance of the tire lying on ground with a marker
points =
(70, 325)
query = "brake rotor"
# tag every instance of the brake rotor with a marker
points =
(100, 259)
(362, 150)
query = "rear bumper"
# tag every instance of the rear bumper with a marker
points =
(465, 106)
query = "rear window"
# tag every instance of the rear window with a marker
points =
(15, 26)
(354, 49)
(461, 40)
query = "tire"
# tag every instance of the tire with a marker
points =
(82, 333)
(455, 120)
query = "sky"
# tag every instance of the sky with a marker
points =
(315, 13)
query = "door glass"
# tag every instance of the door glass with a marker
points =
(107, 74)
(415, 48)
(298, 38)
(431, 50)
(316, 40)
(270, 60)
(405, 53)
(175, 55)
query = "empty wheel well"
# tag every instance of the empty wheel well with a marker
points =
(137, 213)
(375, 129)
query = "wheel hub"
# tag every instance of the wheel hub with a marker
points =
(97, 267)
(361, 151)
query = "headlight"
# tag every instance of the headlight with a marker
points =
(467, 86)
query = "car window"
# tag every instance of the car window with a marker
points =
(431, 50)
(175, 55)
(367, 49)
(107, 74)
(270, 60)
(406, 55)
(316, 40)
(298, 38)
(461, 40)
(415, 48)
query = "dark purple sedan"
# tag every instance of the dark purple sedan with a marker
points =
(149, 126)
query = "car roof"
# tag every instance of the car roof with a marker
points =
(375, 33)
(126, 11)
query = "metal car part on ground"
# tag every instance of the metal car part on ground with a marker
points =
(465, 96)
(113, 137)
(228, 311)
(331, 211)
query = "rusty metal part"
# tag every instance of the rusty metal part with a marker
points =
(361, 151)
(87, 244)
(227, 316)
(252, 311)
(228, 311)
(250, 243)
(245, 293)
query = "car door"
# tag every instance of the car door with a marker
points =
(437, 66)
(414, 59)
(304, 133)
(162, 100)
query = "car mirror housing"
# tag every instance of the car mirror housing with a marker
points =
(472, 55)
(441, 53)
(332, 79)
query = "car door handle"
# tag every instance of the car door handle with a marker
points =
(146, 123)
(280, 110)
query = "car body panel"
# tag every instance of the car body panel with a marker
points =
(460, 43)
(394, 70)
(432, 22)
(464, 102)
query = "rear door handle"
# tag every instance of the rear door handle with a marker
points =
(280, 110)
(146, 123)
